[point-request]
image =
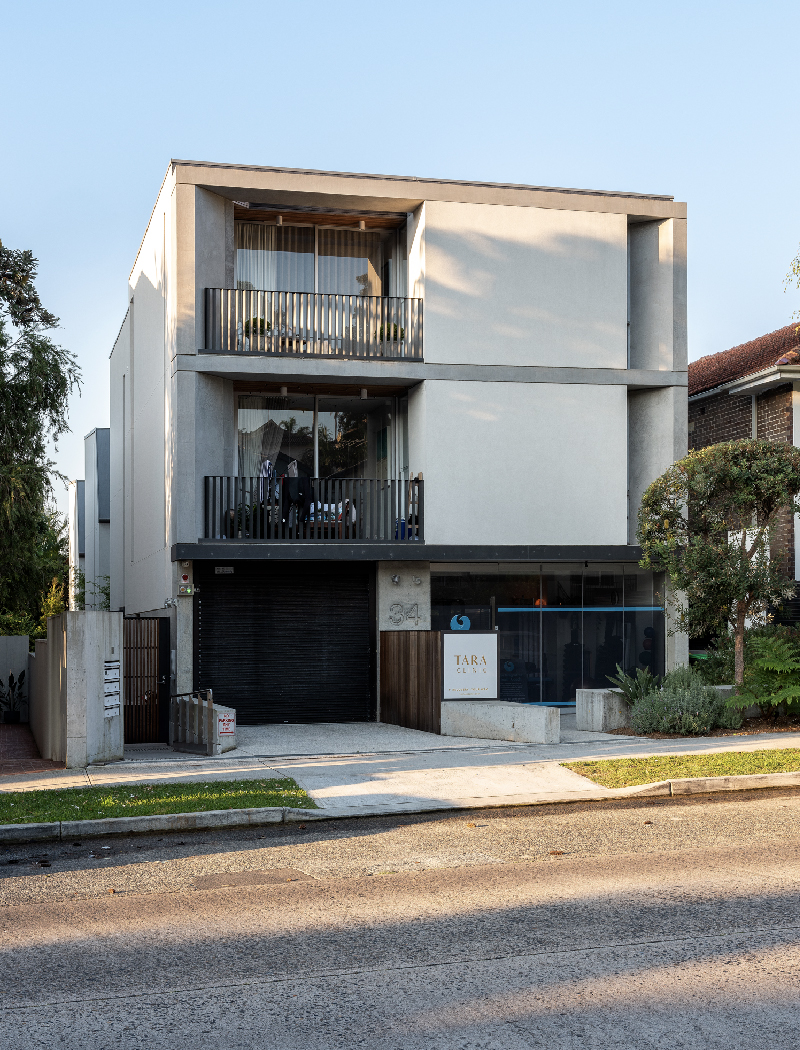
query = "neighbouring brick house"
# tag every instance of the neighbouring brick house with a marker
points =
(752, 391)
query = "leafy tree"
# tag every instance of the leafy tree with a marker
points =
(53, 601)
(707, 522)
(793, 278)
(36, 378)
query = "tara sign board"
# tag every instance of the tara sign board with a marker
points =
(469, 665)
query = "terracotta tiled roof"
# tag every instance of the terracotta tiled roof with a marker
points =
(777, 348)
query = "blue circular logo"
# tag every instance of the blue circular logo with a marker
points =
(460, 623)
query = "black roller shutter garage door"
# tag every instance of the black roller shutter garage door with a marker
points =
(285, 641)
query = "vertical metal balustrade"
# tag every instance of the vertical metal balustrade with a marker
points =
(239, 320)
(363, 510)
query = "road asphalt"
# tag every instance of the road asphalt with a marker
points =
(649, 923)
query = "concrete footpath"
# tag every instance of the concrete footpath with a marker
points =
(371, 768)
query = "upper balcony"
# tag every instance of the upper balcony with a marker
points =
(315, 324)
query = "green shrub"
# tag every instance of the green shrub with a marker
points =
(718, 668)
(685, 705)
(634, 687)
(773, 674)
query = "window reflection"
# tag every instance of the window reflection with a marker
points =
(560, 629)
(353, 443)
(308, 259)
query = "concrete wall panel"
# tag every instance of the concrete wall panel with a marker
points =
(68, 717)
(654, 321)
(524, 463)
(524, 286)
(657, 437)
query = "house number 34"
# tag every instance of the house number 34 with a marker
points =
(399, 613)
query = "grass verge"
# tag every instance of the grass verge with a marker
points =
(144, 800)
(630, 772)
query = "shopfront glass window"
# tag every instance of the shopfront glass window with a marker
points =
(560, 629)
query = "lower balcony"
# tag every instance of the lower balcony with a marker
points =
(315, 510)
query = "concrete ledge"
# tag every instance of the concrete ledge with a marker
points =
(29, 832)
(210, 818)
(600, 710)
(702, 785)
(660, 788)
(501, 720)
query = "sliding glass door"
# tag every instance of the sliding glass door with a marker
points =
(320, 259)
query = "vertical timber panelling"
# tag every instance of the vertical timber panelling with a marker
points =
(141, 686)
(411, 679)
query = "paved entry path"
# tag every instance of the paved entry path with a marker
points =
(19, 753)
(366, 768)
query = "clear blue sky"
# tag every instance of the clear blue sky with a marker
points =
(698, 100)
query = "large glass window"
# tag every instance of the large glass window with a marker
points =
(560, 628)
(357, 439)
(310, 258)
(274, 258)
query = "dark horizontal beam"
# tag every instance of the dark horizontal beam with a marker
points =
(272, 550)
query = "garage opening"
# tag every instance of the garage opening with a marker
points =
(286, 641)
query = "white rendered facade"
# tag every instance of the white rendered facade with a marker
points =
(550, 393)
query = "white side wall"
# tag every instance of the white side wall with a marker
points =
(142, 434)
(120, 462)
(513, 463)
(524, 286)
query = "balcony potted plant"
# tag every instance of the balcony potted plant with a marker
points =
(12, 697)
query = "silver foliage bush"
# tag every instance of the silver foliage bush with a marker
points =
(684, 705)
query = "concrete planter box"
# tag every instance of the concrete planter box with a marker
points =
(600, 710)
(726, 691)
(501, 720)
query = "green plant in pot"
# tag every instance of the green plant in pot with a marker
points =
(12, 696)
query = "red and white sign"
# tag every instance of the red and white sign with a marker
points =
(226, 725)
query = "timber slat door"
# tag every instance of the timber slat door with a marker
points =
(146, 674)
(411, 679)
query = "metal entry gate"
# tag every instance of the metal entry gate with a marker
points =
(146, 681)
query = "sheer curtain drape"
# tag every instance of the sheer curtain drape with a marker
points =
(274, 258)
(349, 262)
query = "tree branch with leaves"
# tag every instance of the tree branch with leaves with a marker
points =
(37, 377)
(709, 523)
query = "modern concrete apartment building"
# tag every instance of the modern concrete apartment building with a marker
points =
(346, 405)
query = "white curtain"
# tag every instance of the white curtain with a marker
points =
(350, 262)
(274, 258)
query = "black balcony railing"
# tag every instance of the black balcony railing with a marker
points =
(322, 510)
(239, 320)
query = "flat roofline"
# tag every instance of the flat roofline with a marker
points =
(419, 181)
